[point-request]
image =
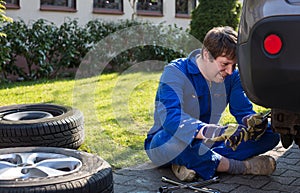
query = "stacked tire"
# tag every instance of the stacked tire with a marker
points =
(41, 125)
(39, 153)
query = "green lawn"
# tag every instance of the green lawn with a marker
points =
(117, 110)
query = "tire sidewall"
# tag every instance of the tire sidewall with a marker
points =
(66, 112)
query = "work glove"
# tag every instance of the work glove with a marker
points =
(231, 134)
(256, 125)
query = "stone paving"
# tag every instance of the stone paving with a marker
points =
(147, 179)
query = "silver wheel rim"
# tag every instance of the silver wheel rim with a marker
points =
(27, 115)
(36, 165)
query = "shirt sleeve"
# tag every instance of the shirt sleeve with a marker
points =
(170, 105)
(239, 104)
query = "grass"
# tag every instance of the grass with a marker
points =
(117, 110)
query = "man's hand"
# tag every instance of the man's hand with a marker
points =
(256, 125)
(232, 134)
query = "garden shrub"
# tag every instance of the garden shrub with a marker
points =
(13, 46)
(49, 49)
(70, 44)
(212, 13)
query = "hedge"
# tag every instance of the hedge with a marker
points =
(48, 50)
(212, 13)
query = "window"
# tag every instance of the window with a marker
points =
(185, 7)
(59, 5)
(150, 7)
(108, 6)
(12, 4)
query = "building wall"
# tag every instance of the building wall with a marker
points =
(30, 11)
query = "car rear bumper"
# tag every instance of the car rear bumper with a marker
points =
(272, 80)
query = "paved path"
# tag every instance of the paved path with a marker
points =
(286, 178)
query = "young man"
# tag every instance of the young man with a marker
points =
(193, 93)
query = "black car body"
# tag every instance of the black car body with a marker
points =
(269, 61)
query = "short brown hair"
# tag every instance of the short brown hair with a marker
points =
(221, 41)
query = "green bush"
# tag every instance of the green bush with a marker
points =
(49, 49)
(70, 44)
(5, 57)
(33, 44)
(11, 47)
(163, 36)
(46, 48)
(213, 13)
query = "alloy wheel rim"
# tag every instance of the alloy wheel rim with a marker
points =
(36, 165)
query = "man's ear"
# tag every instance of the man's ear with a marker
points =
(207, 56)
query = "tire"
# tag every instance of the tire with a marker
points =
(53, 170)
(41, 125)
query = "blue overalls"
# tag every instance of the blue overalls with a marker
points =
(184, 103)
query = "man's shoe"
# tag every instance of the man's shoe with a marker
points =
(260, 165)
(183, 174)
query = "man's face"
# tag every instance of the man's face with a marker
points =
(219, 68)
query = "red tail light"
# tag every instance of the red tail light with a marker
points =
(272, 44)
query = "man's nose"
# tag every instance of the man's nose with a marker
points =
(229, 69)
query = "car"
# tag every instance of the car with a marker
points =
(269, 61)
